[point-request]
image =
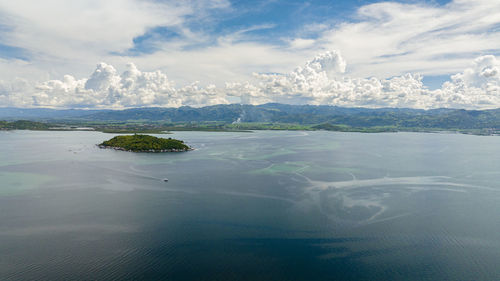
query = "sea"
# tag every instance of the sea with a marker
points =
(262, 205)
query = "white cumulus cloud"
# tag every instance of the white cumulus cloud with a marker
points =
(107, 89)
(320, 81)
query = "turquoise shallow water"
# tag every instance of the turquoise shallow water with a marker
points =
(251, 206)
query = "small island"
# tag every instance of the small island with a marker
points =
(145, 143)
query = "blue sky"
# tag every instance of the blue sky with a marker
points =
(266, 21)
(51, 48)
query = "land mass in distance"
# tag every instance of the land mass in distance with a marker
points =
(238, 117)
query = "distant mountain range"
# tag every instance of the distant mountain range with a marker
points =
(275, 113)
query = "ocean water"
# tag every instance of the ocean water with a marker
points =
(267, 205)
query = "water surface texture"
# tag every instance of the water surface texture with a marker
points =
(251, 206)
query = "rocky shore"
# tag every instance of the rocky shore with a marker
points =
(147, 151)
(145, 143)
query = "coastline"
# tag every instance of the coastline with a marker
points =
(143, 151)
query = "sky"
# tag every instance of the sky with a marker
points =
(142, 53)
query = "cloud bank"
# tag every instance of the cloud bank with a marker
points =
(320, 81)
(106, 88)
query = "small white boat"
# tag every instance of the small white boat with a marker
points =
(165, 179)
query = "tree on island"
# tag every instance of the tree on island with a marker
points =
(145, 143)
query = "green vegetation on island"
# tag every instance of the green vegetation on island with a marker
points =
(145, 143)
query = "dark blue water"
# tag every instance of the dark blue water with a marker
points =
(251, 206)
